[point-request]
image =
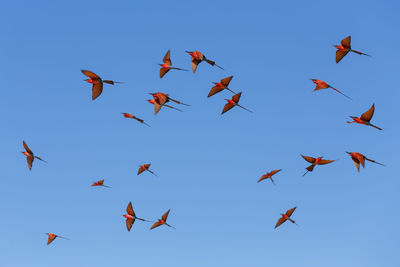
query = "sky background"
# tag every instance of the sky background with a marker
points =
(208, 164)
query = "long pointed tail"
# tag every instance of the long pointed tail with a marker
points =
(341, 93)
(230, 90)
(170, 225)
(360, 53)
(374, 161)
(273, 182)
(110, 82)
(179, 102)
(375, 127)
(168, 106)
(244, 108)
(309, 169)
(293, 222)
(106, 186)
(178, 69)
(151, 172)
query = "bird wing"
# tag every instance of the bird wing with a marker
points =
(156, 224)
(290, 212)
(27, 148)
(129, 223)
(101, 182)
(227, 107)
(346, 42)
(361, 159)
(51, 239)
(129, 209)
(165, 216)
(96, 90)
(367, 116)
(163, 71)
(90, 74)
(325, 161)
(162, 98)
(214, 90)
(309, 159)
(280, 221)
(140, 170)
(226, 81)
(30, 159)
(274, 172)
(167, 59)
(195, 63)
(321, 85)
(236, 97)
(340, 54)
(262, 178)
(356, 163)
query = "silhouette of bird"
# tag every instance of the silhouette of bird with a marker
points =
(233, 102)
(285, 217)
(30, 157)
(359, 158)
(51, 237)
(167, 65)
(365, 118)
(100, 183)
(160, 99)
(197, 57)
(152, 101)
(315, 161)
(223, 84)
(131, 217)
(162, 221)
(97, 83)
(130, 116)
(145, 167)
(269, 176)
(323, 85)
(344, 48)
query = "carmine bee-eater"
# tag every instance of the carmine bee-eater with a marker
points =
(51, 237)
(130, 116)
(97, 82)
(162, 221)
(152, 101)
(345, 48)
(269, 176)
(167, 65)
(233, 102)
(365, 118)
(160, 99)
(314, 162)
(359, 158)
(131, 217)
(286, 217)
(145, 167)
(197, 58)
(223, 84)
(323, 85)
(30, 156)
(100, 183)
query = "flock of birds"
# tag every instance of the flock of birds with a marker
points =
(160, 100)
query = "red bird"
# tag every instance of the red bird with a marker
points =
(197, 58)
(223, 84)
(100, 183)
(315, 161)
(269, 176)
(97, 82)
(359, 158)
(233, 102)
(52, 237)
(30, 157)
(167, 65)
(130, 116)
(145, 167)
(131, 217)
(286, 217)
(152, 101)
(162, 221)
(323, 85)
(365, 118)
(345, 48)
(160, 99)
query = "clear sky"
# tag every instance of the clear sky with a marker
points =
(208, 164)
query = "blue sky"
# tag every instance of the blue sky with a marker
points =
(207, 164)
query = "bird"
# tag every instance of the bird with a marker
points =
(97, 82)
(130, 116)
(315, 161)
(269, 176)
(197, 57)
(286, 217)
(223, 84)
(30, 157)
(344, 48)
(100, 183)
(359, 158)
(152, 101)
(145, 167)
(233, 102)
(162, 221)
(51, 237)
(323, 85)
(160, 99)
(131, 217)
(365, 118)
(167, 65)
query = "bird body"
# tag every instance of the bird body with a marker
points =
(51, 237)
(197, 57)
(233, 102)
(145, 167)
(97, 83)
(286, 217)
(314, 162)
(223, 84)
(269, 176)
(365, 118)
(359, 159)
(100, 183)
(130, 116)
(162, 221)
(344, 48)
(323, 85)
(30, 157)
(130, 217)
(167, 66)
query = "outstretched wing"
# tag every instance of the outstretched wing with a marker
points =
(274, 172)
(280, 221)
(346, 42)
(129, 209)
(27, 148)
(215, 90)
(226, 81)
(325, 161)
(227, 107)
(195, 63)
(90, 74)
(30, 159)
(360, 158)
(129, 223)
(97, 89)
(163, 71)
(309, 159)
(290, 212)
(367, 116)
(236, 97)
(340, 54)
(167, 59)
(156, 224)
(165, 216)
(51, 239)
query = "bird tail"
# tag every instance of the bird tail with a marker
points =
(360, 53)
(375, 127)
(341, 93)
(374, 161)
(212, 63)
(309, 169)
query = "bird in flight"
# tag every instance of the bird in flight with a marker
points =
(131, 217)
(286, 216)
(100, 183)
(97, 83)
(30, 156)
(162, 221)
(197, 58)
(269, 176)
(167, 65)
(152, 101)
(323, 85)
(344, 48)
(51, 237)
(233, 102)
(223, 84)
(314, 162)
(359, 158)
(160, 99)
(145, 167)
(130, 116)
(365, 118)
